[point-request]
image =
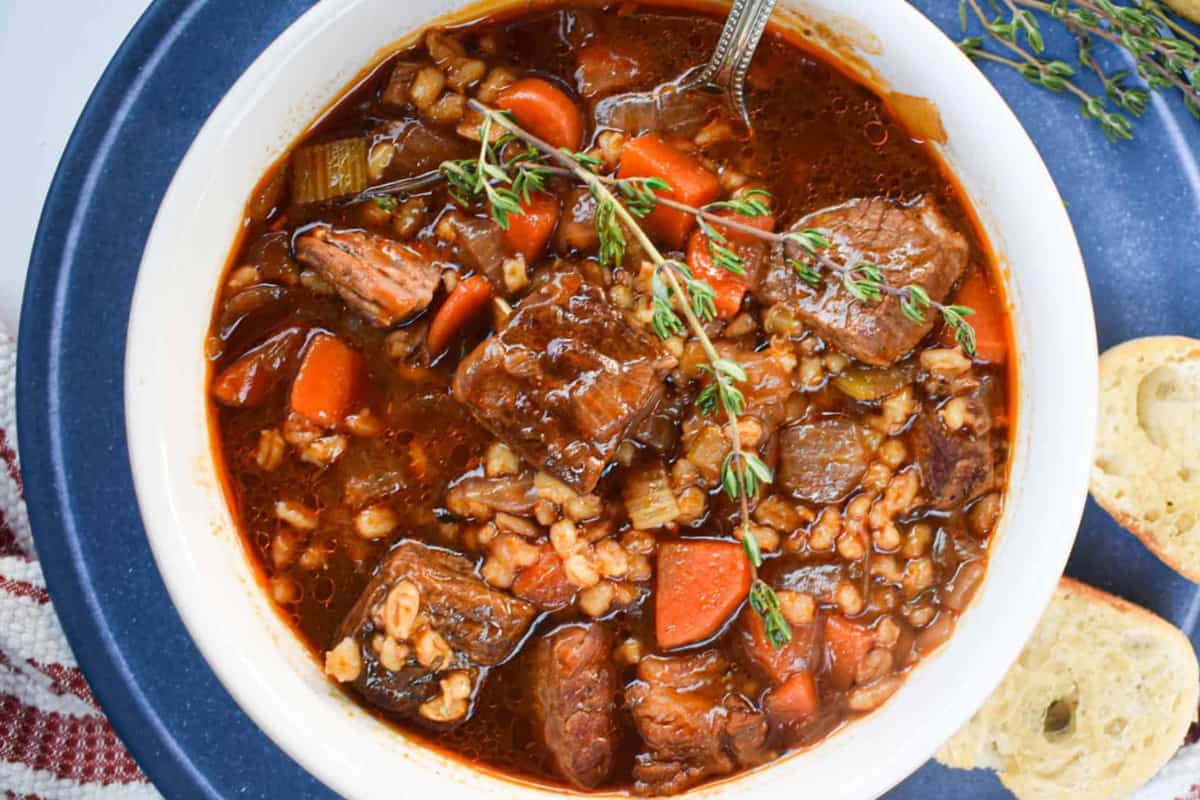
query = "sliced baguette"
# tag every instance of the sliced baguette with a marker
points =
(1099, 699)
(1146, 472)
(1188, 9)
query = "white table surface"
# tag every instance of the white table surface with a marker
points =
(51, 54)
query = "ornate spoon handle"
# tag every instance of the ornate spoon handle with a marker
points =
(726, 70)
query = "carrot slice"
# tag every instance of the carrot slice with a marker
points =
(544, 583)
(847, 644)
(766, 223)
(730, 287)
(249, 380)
(329, 381)
(700, 585)
(648, 156)
(794, 699)
(803, 652)
(544, 110)
(469, 297)
(991, 330)
(529, 231)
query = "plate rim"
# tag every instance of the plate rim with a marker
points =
(50, 506)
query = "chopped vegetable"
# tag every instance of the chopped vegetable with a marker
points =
(847, 644)
(873, 383)
(544, 110)
(763, 223)
(691, 183)
(730, 287)
(700, 585)
(649, 500)
(991, 330)
(776, 664)
(793, 700)
(528, 232)
(545, 582)
(249, 380)
(329, 170)
(329, 381)
(469, 297)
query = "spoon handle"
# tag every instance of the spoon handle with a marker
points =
(730, 62)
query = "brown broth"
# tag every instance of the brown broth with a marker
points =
(821, 139)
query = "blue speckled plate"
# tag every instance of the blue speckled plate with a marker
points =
(1136, 208)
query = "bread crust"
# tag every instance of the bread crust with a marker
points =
(1143, 356)
(1103, 657)
(1189, 9)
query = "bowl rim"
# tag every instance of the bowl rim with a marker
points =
(157, 513)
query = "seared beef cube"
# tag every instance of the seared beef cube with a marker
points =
(694, 723)
(955, 467)
(565, 381)
(822, 461)
(420, 148)
(385, 281)
(481, 247)
(575, 701)
(577, 230)
(912, 244)
(767, 386)
(607, 66)
(475, 626)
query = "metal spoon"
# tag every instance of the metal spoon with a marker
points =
(724, 74)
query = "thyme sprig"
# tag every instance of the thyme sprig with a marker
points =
(620, 205)
(1165, 53)
(805, 252)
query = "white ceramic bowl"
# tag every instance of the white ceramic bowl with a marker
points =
(267, 669)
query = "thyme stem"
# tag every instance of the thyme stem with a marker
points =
(670, 271)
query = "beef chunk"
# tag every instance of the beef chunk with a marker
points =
(480, 625)
(481, 247)
(912, 245)
(575, 701)
(955, 467)
(694, 723)
(608, 66)
(565, 381)
(385, 281)
(822, 461)
(420, 148)
(767, 386)
(576, 233)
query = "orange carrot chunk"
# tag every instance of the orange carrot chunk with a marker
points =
(249, 380)
(793, 700)
(544, 582)
(329, 381)
(991, 332)
(648, 156)
(528, 232)
(847, 644)
(544, 110)
(700, 585)
(469, 297)
(730, 287)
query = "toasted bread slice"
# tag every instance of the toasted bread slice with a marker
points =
(1146, 472)
(1099, 699)
(1188, 9)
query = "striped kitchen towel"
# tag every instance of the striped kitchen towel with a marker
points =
(55, 743)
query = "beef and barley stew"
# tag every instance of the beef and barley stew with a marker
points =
(627, 448)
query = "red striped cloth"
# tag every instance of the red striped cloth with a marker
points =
(54, 740)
